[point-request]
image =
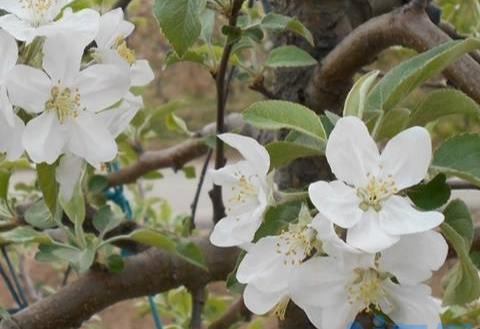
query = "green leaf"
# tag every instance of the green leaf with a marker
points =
(277, 218)
(463, 281)
(189, 172)
(289, 56)
(282, 153)
(460, 156)
(280, 23)
(39, 216)
(115, 263)
(153, 238)
(177, 124)
(4, 183)
(393, 122)
(191, 253)
(180, 21)
(24, 234)
(75, 207)
(441, 103)
(281, 114)
(98, 184)
(48, 185)
(431, 195)
(458, 217)
(404, 78)
(357, 97)
(105, 220)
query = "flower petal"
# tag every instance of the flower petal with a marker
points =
(398, 217)
(413, 307)
(90, 139)
(368, 234)
(101, 86)
(112, 26)
(407, 157)
(15, 7)
(250, 149)
(341, 316)
(141, 73)
(8, 54)
(332, 244)
(18, 28)
(11, 138)
(6, 109)
(336, 201)
(117, 119)
(62, 56)
(260, 302)
(28, 88)
(415, 256)
(44, 138)
(68, 174)
(351, 152)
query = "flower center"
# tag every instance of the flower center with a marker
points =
(243, 191)
(38, 9)
(123, 51)
(296, 244)
(376, 191)
(65, 102)
(366, 288)
(281, 308)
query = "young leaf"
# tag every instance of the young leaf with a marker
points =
(281, 114)
(431, 195)
(289, 56)
(39, 216)
(115, 263)
(191, 253)
(4, 183)
(404, 78)
(460, 156)
(282, 153)
(458, 217)
(355, 102)
(180, 22)
(441, 103)
(393, 122)
(48, 185)
(280, 23)
(24, 234)
(105, 220)
(75, 207)
(177, 124)
(153, 238)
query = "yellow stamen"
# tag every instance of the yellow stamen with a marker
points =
(376, 191)
(65, 102)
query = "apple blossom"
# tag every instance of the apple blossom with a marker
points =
(112, 47)
(28, 19)
(67, 99)
(364, 200)
(334, 290)
(248, 192)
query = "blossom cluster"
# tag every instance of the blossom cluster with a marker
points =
(363, 247)
(65, 92)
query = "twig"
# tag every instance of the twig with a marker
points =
(236, 313)
(196, 199)
(121, 4)
(66, 275)
(258, 85)
(462, 185)
(198, 302)
(222, 90)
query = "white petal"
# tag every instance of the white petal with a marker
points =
(15, 7)
(415, 256)
(398, 217)
(340, 316)
(18, 28)
(62, 58)
(68, 174)
(407, 157)
(368, 234)
(81, 25)
(332, 244)
(413, 307)
(101, 86)
(6, 109)
(141, 73)
(351, 152)
(55, 9)
(260, 302)
(118, 118)
(90, 139)
(112, 26)
(44, 138)
(8, 54)
(250, 149)
(11, 138)
(28, 88)
(336, 201)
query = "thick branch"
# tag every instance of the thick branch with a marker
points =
(407, 27)
(148, 273)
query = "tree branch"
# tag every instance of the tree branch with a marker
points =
(198, 302)
(236, 313)
(148, 273)
(406, 26)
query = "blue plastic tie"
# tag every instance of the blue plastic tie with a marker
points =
(116, 195)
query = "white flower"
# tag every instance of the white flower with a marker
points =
(31, 18)
(247, 192)
(67, 100)
(333, 290)
(364, 199)
(112, 47)
(11, 126)
(118, 118)
(269, 264)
